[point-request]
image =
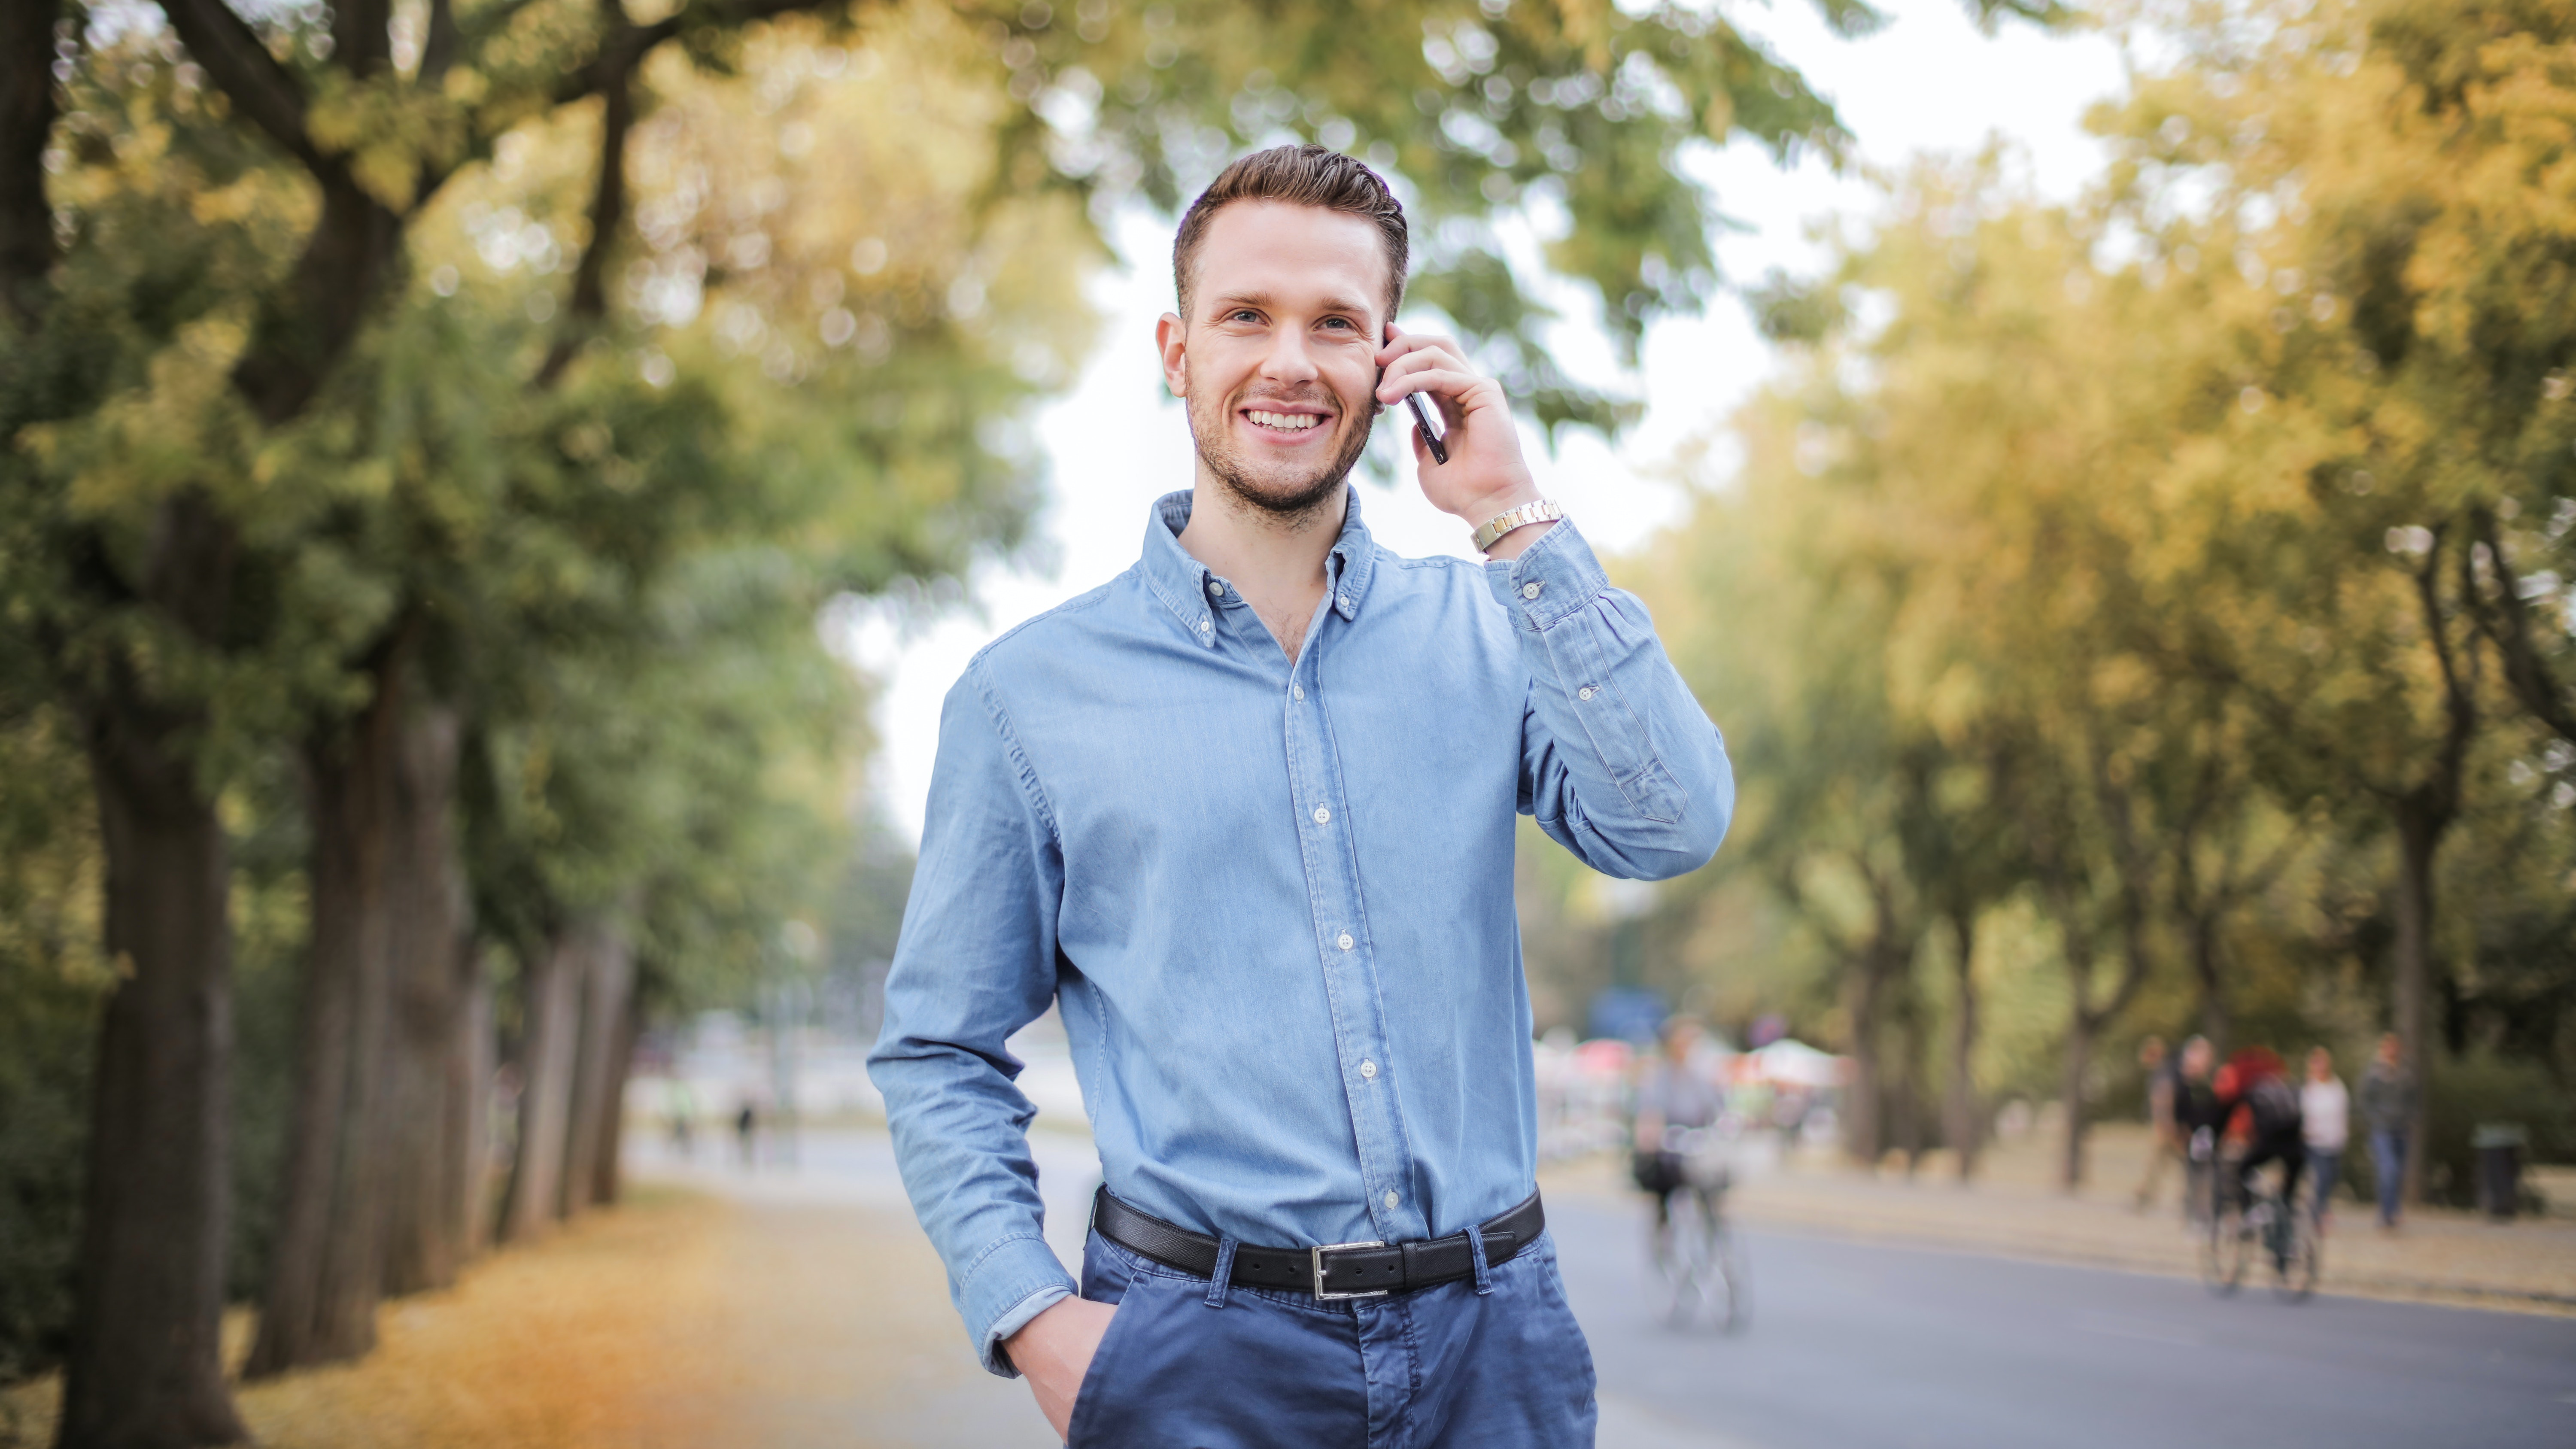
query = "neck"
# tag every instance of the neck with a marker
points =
(1277, 560)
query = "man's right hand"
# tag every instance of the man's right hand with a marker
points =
(1054, 1350)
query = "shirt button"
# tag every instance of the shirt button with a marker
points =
(1297, 691)
(1369, 1069)
(1322, 815)
(1205, 626)
(1344, 941)
(1215, 589)
(1346, 603)
(1390, 1197)
(1584, 693)
(1530, 590)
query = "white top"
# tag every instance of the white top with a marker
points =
(2327, 1111)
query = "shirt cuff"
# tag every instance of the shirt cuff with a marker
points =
(1013, 1283)
(1552, 579)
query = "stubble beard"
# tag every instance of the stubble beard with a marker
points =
(1283, 501)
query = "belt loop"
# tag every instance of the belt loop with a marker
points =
(1224, 1276)
(1476, 1254)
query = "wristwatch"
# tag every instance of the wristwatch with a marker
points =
(1543, 511)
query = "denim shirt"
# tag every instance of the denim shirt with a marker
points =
(1274, 900)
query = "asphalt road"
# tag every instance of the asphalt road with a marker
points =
(1860, 1345)
(1857, 1346)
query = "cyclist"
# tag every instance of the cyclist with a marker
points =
(2260, 1105)
(1674, 1102)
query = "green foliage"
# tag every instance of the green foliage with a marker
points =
(51, 985)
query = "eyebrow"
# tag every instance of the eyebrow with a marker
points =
(1266, 302)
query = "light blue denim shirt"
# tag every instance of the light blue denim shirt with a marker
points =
(1274, 900)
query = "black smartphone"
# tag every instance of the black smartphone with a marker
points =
(1434, 436)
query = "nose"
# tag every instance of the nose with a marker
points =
(1289, 358)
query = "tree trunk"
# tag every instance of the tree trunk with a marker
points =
(426, 947)
(2419, 836)
(607, 1178)
(143, 1368)
(1960, 1118)
(2214, 1023)
(320, 1301)
(1864, 1118)
(607, 991)
(552, 986)
(473, 1106)
(2079, 1055)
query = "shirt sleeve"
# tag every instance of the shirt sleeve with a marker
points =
(975, 963)
(1619, 763)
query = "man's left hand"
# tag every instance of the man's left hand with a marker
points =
(1485, 474)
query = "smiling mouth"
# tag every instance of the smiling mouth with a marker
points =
(1283, 422)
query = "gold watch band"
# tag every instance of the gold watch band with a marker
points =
(1542, 511)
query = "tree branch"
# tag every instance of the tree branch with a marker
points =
(2507, 625)
(607, 213)
(27, 110)
(438, 48)
(361, 40)
(261, 90)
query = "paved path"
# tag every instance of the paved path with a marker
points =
(1905, 1348)
(1852, 1343)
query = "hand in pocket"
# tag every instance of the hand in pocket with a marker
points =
(1054, 1351)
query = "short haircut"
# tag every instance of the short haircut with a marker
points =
(1306, 175)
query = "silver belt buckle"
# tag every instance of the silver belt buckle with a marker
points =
(1316, 1256)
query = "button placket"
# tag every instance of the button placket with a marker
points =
(1350, 979)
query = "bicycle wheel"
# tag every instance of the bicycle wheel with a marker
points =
(2305, 1260)
(1729, 1288)
(2226, 1250)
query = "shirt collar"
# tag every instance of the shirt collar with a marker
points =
(1180, 581)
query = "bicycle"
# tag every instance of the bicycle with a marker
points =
(2285, 1230)
(1694, 1249)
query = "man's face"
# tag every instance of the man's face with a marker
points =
(2388, 1050)
(1278, 359)
(2195, 1060)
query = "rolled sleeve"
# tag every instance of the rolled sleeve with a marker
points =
(1620, 763)
(975, 963)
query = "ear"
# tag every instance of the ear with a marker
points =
(1171, 338)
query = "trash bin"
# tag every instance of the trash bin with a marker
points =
(2499, 1146)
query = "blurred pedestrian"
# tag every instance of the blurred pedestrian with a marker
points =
(2197, 1120)
(2261, 1109)
(2164, 1135)
(2387, 1113)
(2325, 1112)
(1676, 1105)
(746, 1131)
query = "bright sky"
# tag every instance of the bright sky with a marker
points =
(1928, 82)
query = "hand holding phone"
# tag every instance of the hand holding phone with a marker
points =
(1434, 436)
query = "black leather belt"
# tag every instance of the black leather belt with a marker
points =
(1337, 1270)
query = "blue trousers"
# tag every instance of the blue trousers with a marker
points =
(1185, 1366)
(2388, 1156)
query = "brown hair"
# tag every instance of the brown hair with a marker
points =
(1308, 175)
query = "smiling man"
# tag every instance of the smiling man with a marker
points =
(1246, 813)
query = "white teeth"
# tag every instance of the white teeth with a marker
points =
(1291, 422)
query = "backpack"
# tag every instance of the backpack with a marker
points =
(2275, 1104)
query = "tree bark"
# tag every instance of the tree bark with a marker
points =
(144, 1369)
(607, 1179)
(607, 989)
(2419, 837)
(323, 1287)
(27, 110)
(429, 966)
(553, 1006)
(1962, 1123)
(2079, 1056)
(473, 1106)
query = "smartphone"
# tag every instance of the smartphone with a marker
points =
(1434, 436)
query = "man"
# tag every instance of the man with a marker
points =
(2261, 1107)
(1672, 1099)
(2388, 1114)
(2196, 1110)
(1245, 814)
(2164, 1138)
(2325, 1115)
